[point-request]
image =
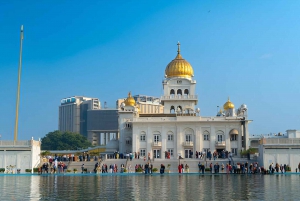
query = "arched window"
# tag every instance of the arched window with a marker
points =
(206, 136)
(172, 93)
(179, 109)
(170, 136)
(188, 135)
(156, 137)
(172, 109)
(220, 136)
(179, 92)
(143, 136)
(233, 134)
(186, 92)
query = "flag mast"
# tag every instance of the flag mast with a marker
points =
(18, 90)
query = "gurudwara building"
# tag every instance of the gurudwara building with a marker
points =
(180, 130)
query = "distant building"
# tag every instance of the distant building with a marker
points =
(280, 148)
(102, 126)
(73, 113)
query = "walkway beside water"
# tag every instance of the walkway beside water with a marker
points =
(172, 163)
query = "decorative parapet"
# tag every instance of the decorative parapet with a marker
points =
(178, 97)
(280, 141)
(5, 143)
(188, 144)
(156, 144)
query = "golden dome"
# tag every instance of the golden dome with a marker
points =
(130, 100)
(228, 105)
(179, 67)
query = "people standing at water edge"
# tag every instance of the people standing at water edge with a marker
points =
(179, 169)
(82, 168)
(150, 168)
(162, 169)
(186, 168)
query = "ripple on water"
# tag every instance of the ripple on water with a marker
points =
(156, 187)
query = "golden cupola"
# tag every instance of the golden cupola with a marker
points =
(228, 105)
(179, 67)
(130, 100)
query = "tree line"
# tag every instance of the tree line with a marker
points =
(58, 140)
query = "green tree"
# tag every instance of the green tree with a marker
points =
(58, 140)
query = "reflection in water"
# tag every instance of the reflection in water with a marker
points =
(143, 187)
(34, 188)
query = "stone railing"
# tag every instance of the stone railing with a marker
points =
(220, 143)
(15, 143)
(280, 141)
(156, 144)
(188, 144)
(175, 97)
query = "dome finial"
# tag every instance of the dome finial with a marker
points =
(179, 67)
(178, 44)
(130, 100)
(228, 104)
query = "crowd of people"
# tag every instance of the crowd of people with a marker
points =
(53, 167)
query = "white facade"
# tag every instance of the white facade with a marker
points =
(281, 149)
(181, 130)
(20, 154)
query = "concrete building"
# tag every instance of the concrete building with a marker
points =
(73, 113)
(181, 130)
(102, 126)
(280, 148)
(21, 154)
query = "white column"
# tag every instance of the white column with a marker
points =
(198, 140)
(212, 141)
(240, 147)
(227, 140)
(246, 135)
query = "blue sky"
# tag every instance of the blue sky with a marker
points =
(248, 50)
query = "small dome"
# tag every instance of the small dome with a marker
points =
(228, 105)
(234, 132)
(179, 67)
(130, 100)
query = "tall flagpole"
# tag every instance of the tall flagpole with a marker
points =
(18, 90)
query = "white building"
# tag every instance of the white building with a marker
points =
(21, 154)
(180, 129)
(281, 149)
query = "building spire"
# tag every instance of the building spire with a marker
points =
(178, 51)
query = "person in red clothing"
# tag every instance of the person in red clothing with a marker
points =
(179, 169)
